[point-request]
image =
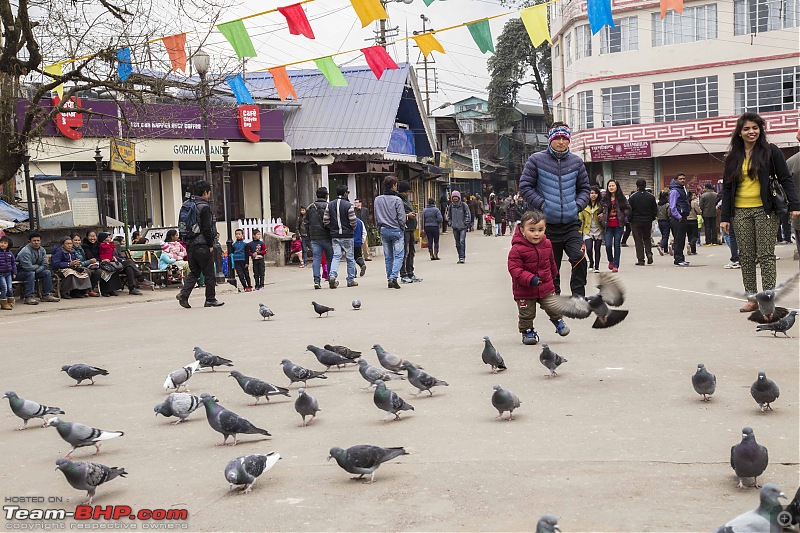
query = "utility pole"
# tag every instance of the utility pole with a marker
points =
(425, 68)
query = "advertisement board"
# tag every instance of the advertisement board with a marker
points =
(66, 203)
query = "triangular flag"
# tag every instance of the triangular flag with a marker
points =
(428, 43)
(369, 11)
(677, 5)
(240, 90)
(331, 71)
(176, 48)
(56, 69)
(282, 83)
(124, 68)
(535, 20)
(296, 20)
(237, 35)
(428, 3)
(378, 60)
(599, 12)
(482, 35)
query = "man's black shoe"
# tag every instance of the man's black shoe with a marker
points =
(393, 284)
(213, 303)
(183, 301)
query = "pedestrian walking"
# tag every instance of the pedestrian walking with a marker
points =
(409, 240)
(431, 222)
(390, 218)
(320, 235)
(614, 214)
(693, 224)
(708, 207)
(198, 236)
(459, 217)
(340, 219)
(678, 210)
(498, 210)
(643, 212)
(662, 217)
(793, 164)
(362, 213)
(359, 243)
(479, 211)
(443, 204)
(302, 229)
(592, 230)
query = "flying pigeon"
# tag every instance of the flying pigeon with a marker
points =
(356, 304)
(81, 372)
(245, 470)
(88, 476)
(781, 326)
(27, 409)
(178, 404)
(320, 309)
(306, 405)
(374, 374)
(748, 458)
(611, 294)
(265, 312)
(504, 400)
(767, 309)
(209, 359)
(329, 358)
(421, 380)
(764, 391)
(389, 401)
(704, 382)
(364, 459)
(492, 357)
(79, 435)
(257, 388)
(764, 518)
(389, 361)
(179, 377)
(298, 373)
(344, 351)
(792, 516)
(547, 524)
(227, 422)
(550, 359)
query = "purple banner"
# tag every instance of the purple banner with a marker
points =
(93, 125)
(631, 150)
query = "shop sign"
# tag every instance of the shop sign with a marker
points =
(250, 122)
(123, 156)
(629, 150)
(67, 121)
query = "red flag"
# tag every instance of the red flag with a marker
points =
(378, 60)
(176, 48)
(282, 83)
(296, 20)
(677, 5)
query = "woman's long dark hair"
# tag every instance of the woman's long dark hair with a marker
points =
(618, 196)
(759, 158)
(663, 198)
(595, 189)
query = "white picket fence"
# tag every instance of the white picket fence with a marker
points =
(248, 225)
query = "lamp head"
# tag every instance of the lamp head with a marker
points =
(201, 61)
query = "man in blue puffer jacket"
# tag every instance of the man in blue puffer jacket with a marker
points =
(555, 181)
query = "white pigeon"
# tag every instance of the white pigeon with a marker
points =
(179, 377)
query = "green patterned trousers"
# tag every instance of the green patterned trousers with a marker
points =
(756, 234)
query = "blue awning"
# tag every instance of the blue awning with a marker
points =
(9, 212)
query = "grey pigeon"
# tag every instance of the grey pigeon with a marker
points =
(245, 470)
(178, 378)
(306, 405)
(764, 391)
(763, 519)
(257, 388)
(344, 351)
(178, 404)
(374, 374)
(389, 401)
(88, 476)
(364, 459)
(389, 361)
(749, 458)
(492, 357)
(79, 435)
(611, 294)
(504, 400)
(547, 524)
(297, 373)
(356, 304)
(421, 380)
(329, 358)
(80, 372)
(767, 309)
(322, 309)
(265, 312)
(209, 360)
(227, 422)
(27, 409)
(704, 382)
(792, 512)
(550, 359)
(781, 326)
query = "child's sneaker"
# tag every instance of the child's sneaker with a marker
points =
(530, 337)
(248, 289)
(561, 328)
(406, 279)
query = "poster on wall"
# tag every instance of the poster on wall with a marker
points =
(66, 203)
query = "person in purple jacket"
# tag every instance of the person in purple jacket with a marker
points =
(8, 271)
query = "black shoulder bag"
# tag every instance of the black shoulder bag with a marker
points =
(780, 202)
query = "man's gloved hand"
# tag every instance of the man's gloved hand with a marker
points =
(535, 281)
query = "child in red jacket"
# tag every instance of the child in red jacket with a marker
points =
(532, 268)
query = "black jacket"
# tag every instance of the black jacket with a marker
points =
(208, 226)
(314, 215)
(643, 206)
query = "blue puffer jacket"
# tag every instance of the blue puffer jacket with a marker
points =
(558, 187)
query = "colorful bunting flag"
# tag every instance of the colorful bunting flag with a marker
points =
(378, 60)
(176, 49)
(240, 90)
(331, 72)
(482, 35)
(599, 12)
(369, 11)
(677, 5)
(428, 3)
(56, 69)
(427, 43)
(282, 83)
(535, 20)
(124, 68)
(296, 20)
(237, 35)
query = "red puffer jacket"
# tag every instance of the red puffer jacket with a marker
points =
(526, 260)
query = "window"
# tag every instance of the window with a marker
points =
(585, 110)
(686, 99)
(767, 90)
(469, 107)
(465, 125)
(621, 106)
(556, 51)
(696, 24)
(623, 38)
(571, 111)
(559, 113)
(568, 49)
(583, 41)
(755, 16)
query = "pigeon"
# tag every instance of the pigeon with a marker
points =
(374, 374)
(767, 310)
(179, 377)
(704, 382)
(364, 459)
(492, 357)
(781, 326)
(306, 405)
(227, 422)
(329, 358)
(320, 309)
(79, 435)
(547, 524)
(611, 294)
(504, 400)
(389, 401)
(550, 359)
(764, 518)
(82, 372)
(209, 359)
(748, 458)
(88, 476)
(344, 351)
(764, 391)
(27, 409)
(421, 380)
(792, 512)
(356, 304)
(298, 373)
(265, 312)
(389, 361)
(245, 470)
(177, 404)
(257, 388)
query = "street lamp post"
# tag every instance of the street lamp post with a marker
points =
(226, 192)
(101, 189)
(202, 62)
(26, 165)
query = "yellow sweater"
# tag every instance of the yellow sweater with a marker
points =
(748, 191)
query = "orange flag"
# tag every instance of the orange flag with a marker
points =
(282, 83)
(176, 48)
(677, 5)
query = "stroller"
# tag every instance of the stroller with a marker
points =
(488, 225)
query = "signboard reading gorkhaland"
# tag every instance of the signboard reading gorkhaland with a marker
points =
(631, 150)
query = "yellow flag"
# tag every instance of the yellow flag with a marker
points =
(56, 70)
(535, 20)
(369, 11)
(428, 43)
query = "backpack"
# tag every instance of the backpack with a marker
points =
(188, 224)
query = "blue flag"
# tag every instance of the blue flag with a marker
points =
(124, 68)
(240, 90)
(599, 12)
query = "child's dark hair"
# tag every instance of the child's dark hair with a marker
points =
(256, 232)
(531, 215)
(239, 230)
(296, 236)
(6, 239)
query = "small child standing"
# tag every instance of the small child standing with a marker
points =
(241, 261)
(107, 247)
(8, 271)
(296, 248)
(257, 250)
(532, 268)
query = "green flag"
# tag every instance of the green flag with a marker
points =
(237, 35)
(428, 3)
(331, 71)
(482, 35)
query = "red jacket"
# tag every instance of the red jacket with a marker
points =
(526, 260)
